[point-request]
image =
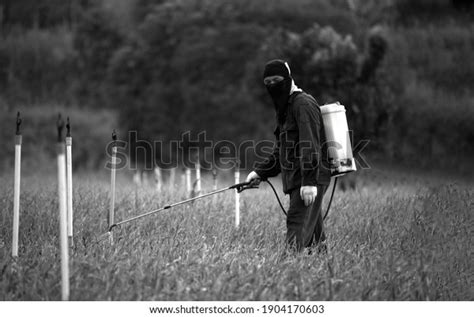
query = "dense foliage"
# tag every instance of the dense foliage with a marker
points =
(167, 67)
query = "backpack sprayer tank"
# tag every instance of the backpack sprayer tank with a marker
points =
(337, 135)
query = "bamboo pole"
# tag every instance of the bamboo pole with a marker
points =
(16, 188)
(70, 213)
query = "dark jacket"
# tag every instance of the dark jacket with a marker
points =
(300, 153)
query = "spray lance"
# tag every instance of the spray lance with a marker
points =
(240, 187)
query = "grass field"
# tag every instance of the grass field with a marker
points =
(397, 236)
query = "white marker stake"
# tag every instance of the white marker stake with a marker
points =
(112, 190)
(63, 222)
(214, 177)
(137, 179)
(183, 179)
(69, 189)
(172, 177)
(237, 200)
(16, 196)
(158, 179)
(188, 181)
(198, 178)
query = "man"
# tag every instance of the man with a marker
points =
(300, 155)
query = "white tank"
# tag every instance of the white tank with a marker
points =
(337, 135)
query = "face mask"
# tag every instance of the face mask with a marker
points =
(280, 93)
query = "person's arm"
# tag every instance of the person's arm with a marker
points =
(270, 167)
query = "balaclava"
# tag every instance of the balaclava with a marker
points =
(280, 92)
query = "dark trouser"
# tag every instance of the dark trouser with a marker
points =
(305, 224)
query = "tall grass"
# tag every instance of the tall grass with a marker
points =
(396, 237)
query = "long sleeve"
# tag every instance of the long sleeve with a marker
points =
(309, 123)
(270, 167)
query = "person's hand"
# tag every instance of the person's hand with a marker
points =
(308, 194)
(253, 177)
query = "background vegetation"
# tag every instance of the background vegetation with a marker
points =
(402, 69)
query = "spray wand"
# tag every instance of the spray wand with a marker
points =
(240, 187)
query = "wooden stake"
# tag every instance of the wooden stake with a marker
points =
(16, 188)
(69, 183)
(111, 217)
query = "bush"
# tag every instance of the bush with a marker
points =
(436, 125)
(433, 74)
(37, 65)
(409, 12)
(441, 56)
(96, 39)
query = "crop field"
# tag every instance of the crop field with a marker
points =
(396, 236)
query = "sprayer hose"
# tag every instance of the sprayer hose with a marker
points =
(283, 208)
(277, 197)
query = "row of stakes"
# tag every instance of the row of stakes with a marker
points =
(64, 161)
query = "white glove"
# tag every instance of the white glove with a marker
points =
(253, 176)
(308, 194)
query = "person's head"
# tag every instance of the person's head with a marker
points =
(277, 79)
(276, 68)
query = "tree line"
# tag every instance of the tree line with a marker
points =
(167, 67)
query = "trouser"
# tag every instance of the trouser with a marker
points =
(304, 224)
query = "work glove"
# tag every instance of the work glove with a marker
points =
(253, 177)
(308, 194)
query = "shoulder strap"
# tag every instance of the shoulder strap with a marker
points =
(293, 96)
